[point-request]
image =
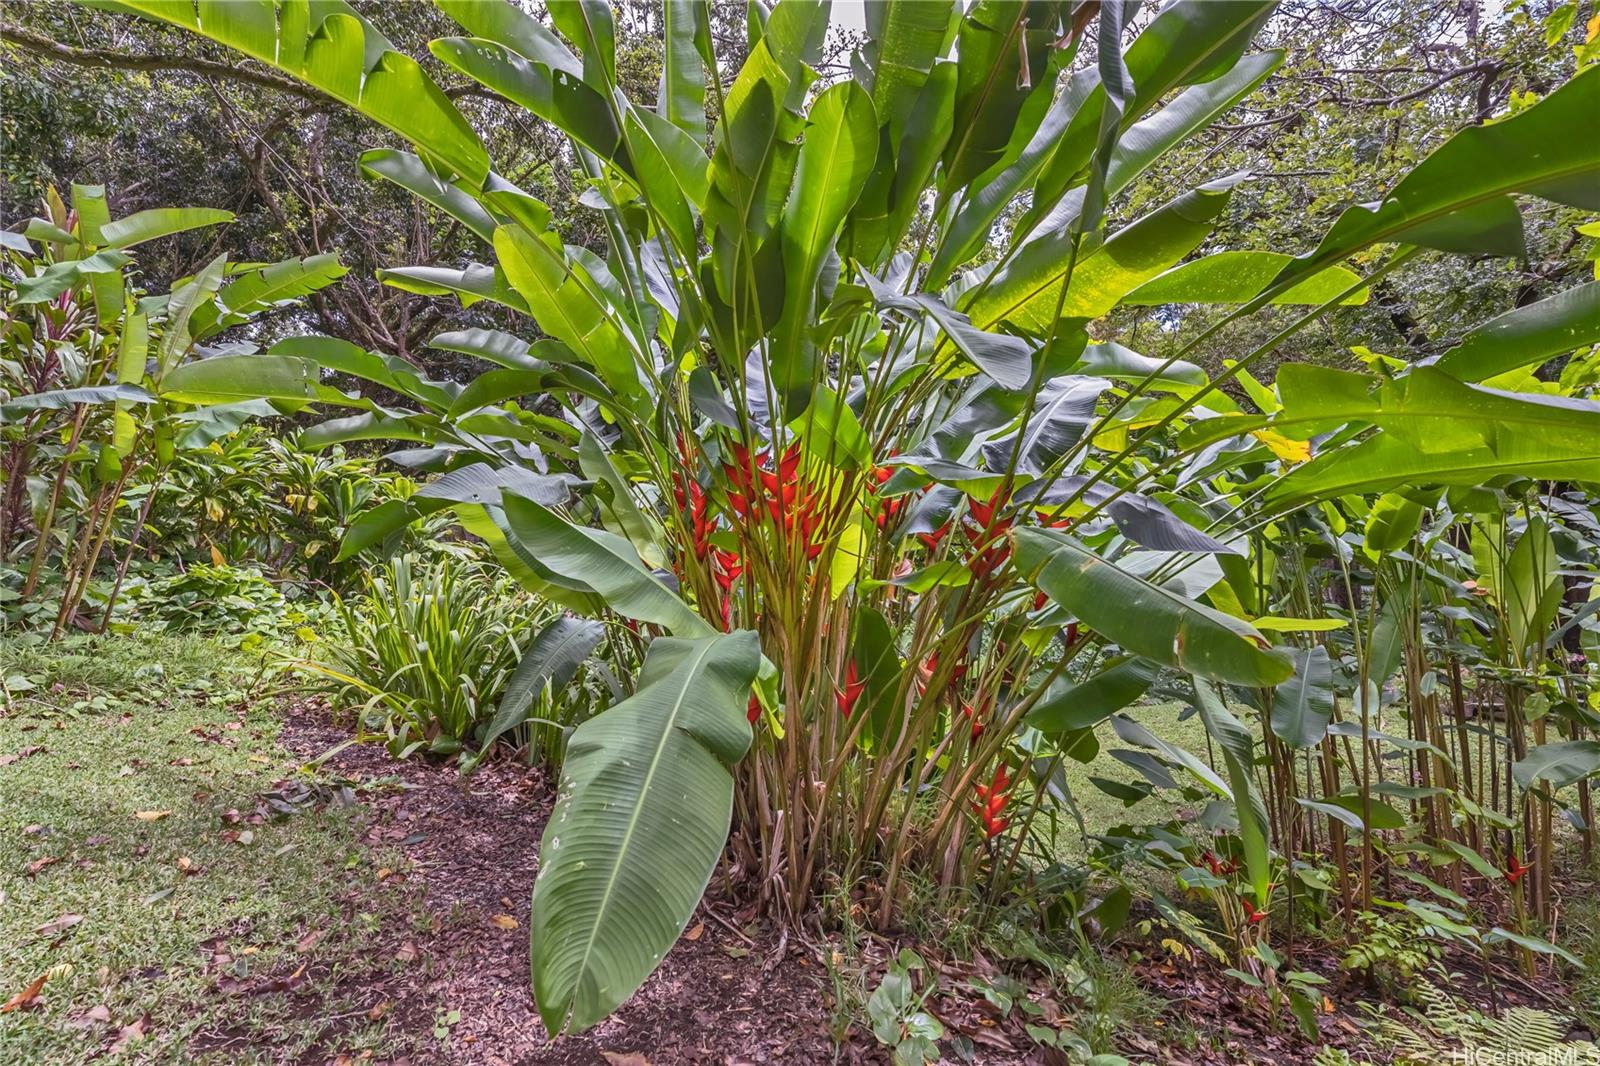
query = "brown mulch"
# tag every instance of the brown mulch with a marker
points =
(721, 996)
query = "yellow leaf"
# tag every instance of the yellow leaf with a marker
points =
(216, 557)
(1285, 448)
(1593, 30)
(150, 816)
(504, 921)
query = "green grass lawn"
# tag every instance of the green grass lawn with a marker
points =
(1100, 810)
(125, 879)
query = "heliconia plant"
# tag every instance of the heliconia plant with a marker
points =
(838, 445)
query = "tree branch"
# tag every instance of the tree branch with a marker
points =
(43, 46)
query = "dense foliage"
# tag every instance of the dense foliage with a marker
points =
(823, 457)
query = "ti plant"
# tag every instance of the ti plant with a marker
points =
(827, 426)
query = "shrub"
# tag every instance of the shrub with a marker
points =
(428, 651)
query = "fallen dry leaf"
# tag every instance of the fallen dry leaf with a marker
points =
(385, 873)
(56, 925)
(504, 921)
(39, 864)
(625, 1058)
(32, 749)
(27, 997)
(151, 816)
(310, 940)
(379, 1010)
(407, 953)
(97, 842)
(694, 934)
(185, 863)
(130, 1034)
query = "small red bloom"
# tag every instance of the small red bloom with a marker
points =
(752, 709)
(984, 512)
(1039, 601)
(931, 540)
(851, 692)
(729, 567)
(1254, 916)
(992, 801)
(1516, 871)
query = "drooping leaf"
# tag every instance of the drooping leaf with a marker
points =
(1303, 705)
(601, 561)
(644, 809)
(156, 222)
(1066, 706)
(553, 658)
(1238, 751)
(1527, 335)
(1145, 618)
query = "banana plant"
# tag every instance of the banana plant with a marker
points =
(833, 385)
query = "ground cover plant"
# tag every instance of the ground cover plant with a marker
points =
(853, 547)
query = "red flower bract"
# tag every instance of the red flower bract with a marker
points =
(851, 692)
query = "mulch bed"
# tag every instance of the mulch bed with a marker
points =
(728, 993)
(721, 996)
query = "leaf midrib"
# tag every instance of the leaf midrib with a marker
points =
(633, 819)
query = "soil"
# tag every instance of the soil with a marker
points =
(721, 996)
(730, 992)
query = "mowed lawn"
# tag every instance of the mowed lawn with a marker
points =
(138, 875)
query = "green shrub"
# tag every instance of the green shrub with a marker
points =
(428, 651)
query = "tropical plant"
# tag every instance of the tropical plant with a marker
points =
(853, 470)
(426, 652)
(104, 385)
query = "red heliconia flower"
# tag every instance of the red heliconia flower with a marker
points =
(1212, 864)
(1047, 519)
(992, 801)
(931, 540)
(1254, 916)
(1039, 601)
(851, 692)
(729, 567)
(752, 709)
(1516, 871)
(789, 463)
(984, 512)
(727, 613)
(975, 716)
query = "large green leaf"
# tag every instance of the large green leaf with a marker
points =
(1026, 290)
(144, 226)
(1238, 752)
(1145, 618)
(1527, 335)
(60, 399)
(840, 146)
(412, 174)
(1559, 764)
(1189, 42)
(1067, 706)
(228, 378)
(260, 290)
(644, 809)
(1303, 705)
(601, 561)
(330, 47)
(1459, 198)
(1239, 277)
(681, 99)
(567, 302)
